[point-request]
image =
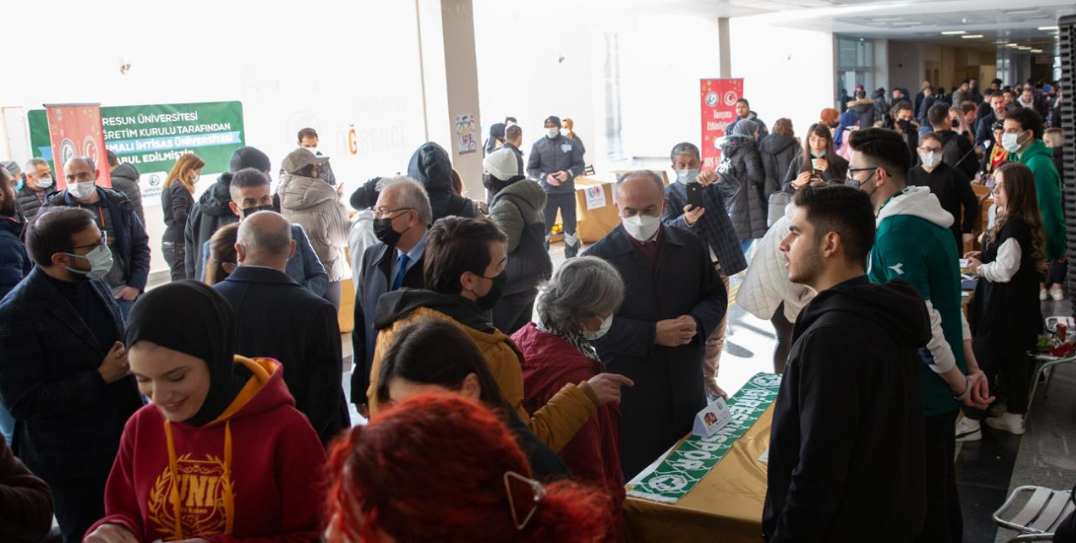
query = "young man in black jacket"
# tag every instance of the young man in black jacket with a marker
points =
(847, 426)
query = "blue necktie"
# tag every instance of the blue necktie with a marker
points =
(403, 260)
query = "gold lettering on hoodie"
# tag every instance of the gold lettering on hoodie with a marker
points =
(202, 487)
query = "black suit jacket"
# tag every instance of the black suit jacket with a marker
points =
(376, 267)
(68, 422)
(668, 391)
(277, 318)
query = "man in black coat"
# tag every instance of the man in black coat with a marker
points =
(402, 216)
(64, 375)
(984, 131)
(848, 426)
(957, 151)
(659, 334)
(279, 319)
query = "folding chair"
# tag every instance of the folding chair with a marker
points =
(1046, 362)
(1040, 515)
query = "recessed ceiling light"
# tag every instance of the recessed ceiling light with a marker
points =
(1014, 45)
(972, 36)
(953, 32)
(1048, 28)
(1022, 11)
(887, 19)
(1024, 48)
(1036, 51)
(908, 23)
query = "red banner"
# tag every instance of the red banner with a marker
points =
(76, 130)
(718, 110)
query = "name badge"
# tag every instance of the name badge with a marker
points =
(566, 147)
(712, 418)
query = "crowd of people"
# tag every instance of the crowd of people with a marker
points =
(508, 400)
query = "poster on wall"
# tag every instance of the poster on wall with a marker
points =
(466, 134)
(75, 130)
(718, 111)
(152, 137)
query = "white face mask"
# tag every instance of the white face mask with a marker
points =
(642, 227)
(930, 159)
(43, 182)
(82, 190)
(553, 132)
(1011, 141)
(100, 262)
(312, 150)
(607, 323)
(688, 176)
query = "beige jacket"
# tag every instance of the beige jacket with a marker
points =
(315, 205)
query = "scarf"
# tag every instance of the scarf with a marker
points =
(575, 338)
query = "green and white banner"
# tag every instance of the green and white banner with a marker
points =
(153, 137)
(696, 456)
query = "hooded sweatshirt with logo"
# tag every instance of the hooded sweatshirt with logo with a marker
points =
(847, 427)
(913, 243)
(253, 474)
(1040, 160)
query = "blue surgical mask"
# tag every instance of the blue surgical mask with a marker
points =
(818, 154)
(688, 176)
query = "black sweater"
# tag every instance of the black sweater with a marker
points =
(954, 191)
(848, 425)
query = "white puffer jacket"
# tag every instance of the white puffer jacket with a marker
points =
(316, 206)
(766, 284)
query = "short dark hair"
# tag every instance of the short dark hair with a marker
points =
(436, 352)
(513, 132)
(938, 114)
(1028, 118)
(845, 210)
(989, 92)
(307, 133)
(684, 148)
(995, 81)
(885, 147)
(963, 81)
(247, 178)
(902, 106)
(113, 160)
(455, 245)
(967, 106)
(931, 136)
(52, 232)
(744, 101)
(510, 119)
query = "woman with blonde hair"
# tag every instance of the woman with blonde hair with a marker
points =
(223, 258)
(177, 199)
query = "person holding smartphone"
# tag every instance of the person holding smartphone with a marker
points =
(818, 162)
(696, 204)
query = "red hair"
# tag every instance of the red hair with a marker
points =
(432, 469)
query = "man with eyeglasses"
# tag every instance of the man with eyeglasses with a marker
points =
(402, 216)
(114, 215)
(913, 243)
(64, 375)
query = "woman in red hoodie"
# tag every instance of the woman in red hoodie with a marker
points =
(221, 454)
(575, 308)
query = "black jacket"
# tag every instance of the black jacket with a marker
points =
(375, 280)
(668, 391)
(777, 152)
(864, 110)
(846, 447)
(954, 192)
(125, 179)
(276, 318)
(176, 203)
(554, 155)
(741, 181)
(431, 166)
(29, 202)
(24, 499)
(68, 422)
(209, 214)
(959, 153)
(835, 172)
(984, 130)
(1006, 318)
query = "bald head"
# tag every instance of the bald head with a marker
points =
(264, 239)
(640, 192)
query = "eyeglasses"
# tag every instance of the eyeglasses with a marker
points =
(850, 179)
(382, 213)
(101, 242)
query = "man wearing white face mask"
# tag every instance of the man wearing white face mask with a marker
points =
(554, 163)
(113, 213)
(950, 185)
(658, 336)
(37, 183)
(1023, 140)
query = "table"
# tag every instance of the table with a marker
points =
(725, 506)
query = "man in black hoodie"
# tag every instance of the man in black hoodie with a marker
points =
(431, 166)
(957, 151)
(847, 426)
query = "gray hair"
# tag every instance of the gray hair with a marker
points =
(412, 196)
(584, 286)
(649, 174)
(266, 242)
(684, 148)
(33, 163)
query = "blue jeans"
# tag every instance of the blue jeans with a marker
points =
(746, 245)
(125, 308)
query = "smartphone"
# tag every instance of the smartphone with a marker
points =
(694, 194)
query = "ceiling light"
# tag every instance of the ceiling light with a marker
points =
(1024, 48)
(1036, 51)
(908, 23)
(1014, 45)
(887, 19)
(1022, 11)
(972, 36)
(953, 32)
(1048, 28)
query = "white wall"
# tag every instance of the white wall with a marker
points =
(787, 72)
(320, 63)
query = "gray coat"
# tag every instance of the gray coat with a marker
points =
(741, 179)
(125, 180)
(777, 152)
(554, 155)
(517, 209)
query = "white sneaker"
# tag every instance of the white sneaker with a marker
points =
(1009, 422)
(1043, 295)
(1057, 294)
(968, 430)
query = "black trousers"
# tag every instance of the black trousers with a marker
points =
(514, 311)
(334, 293)
(566, 204)
(1009, 374)
(78, 504)
(783, 330)
(944, 521)
(175, 256)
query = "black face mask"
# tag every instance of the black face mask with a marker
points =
(248, 211)
(386, 233)
(489, 301)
